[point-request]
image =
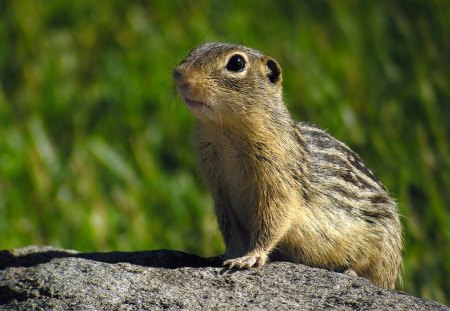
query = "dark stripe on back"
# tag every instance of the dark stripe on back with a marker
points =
(343, 170)
(322, 140)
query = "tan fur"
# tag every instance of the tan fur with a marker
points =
(283, 187)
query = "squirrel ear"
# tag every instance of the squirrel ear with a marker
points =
(273, 70)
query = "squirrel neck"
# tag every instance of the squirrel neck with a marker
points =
(260, 121)
(271, 131)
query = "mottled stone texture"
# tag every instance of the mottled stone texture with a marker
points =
(43, 278)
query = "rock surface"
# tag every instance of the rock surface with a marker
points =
(43, 278)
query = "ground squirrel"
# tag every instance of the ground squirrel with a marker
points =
(282, 187)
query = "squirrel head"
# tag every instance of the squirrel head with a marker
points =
(229, 83)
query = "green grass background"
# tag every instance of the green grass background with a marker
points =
(94, 144)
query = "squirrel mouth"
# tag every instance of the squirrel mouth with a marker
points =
(196, 105)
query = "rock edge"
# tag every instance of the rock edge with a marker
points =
(43, 278)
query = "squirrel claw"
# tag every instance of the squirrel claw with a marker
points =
(247, 261)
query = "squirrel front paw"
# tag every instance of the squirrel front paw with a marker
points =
(253, 259)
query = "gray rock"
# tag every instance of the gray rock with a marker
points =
(43, 278)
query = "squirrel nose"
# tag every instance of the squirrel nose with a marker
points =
(176, 74)
(183, 84)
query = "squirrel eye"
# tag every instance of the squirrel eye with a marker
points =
(236, 63)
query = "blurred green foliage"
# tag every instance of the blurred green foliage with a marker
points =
(94, 144)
